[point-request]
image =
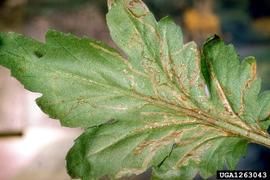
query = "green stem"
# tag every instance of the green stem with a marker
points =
(247, 134)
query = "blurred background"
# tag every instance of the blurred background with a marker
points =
(34, 147)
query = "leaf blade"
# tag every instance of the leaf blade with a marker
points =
(71, 84)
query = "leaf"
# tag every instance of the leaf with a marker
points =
(168, 106)
(69, 72)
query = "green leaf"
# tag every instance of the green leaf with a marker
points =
(68, 72)
(264, 109)
(168, 106)
(234, 85)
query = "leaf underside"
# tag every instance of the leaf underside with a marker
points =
(168, 106)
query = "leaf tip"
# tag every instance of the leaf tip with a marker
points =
(137, 8)
(3, 37)
(110, 3)
(250, 60)
(50, 32)
(166, 19)
(212, 39)
(1, 41)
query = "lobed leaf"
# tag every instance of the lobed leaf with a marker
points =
(168, 106)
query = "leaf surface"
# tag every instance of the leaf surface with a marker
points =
(167, 106)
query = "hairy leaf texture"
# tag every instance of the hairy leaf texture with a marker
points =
(167, 106)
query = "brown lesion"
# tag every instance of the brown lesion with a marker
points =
(165, 59)
(165, 124)
(247, 85)
(253, 76)
(182, 161)
(179, 77)
(184, 95)
(194, 79)
(76, 103)
(135, 40)
(70, 110)
(155, 144)
(173, 78)
(198, 135)
(132, 6)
